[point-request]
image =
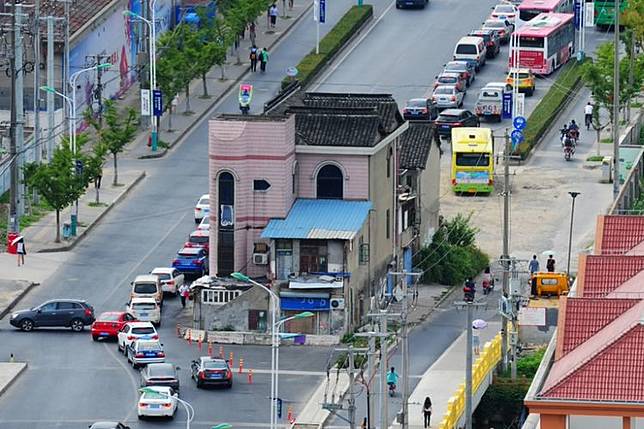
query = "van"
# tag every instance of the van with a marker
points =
(145, 310)
(147, 286)
(471, 48)
(490, 103)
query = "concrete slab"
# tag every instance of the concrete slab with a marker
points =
(9, 372)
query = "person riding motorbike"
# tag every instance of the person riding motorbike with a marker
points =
(392, 380)
(569, 148)
(469, 290)
(563, 134)
(573, 130)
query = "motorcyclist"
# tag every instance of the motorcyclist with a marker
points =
(573, 130)
(469, 290)
(392, 378)
(564, 133)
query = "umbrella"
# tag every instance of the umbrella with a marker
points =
(479, 324)
(16, 240)
(548, 253)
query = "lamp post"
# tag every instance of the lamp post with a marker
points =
(190, 411)
(70, 107)
(574, 195)
(153, 67)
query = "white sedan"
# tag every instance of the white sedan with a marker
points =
(157, 401)
(204, 225)
(202, 208)
(171, 279)
(135, 331)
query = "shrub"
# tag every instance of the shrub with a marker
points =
(332, 43)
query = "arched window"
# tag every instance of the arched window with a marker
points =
(329, 182)
(226, 224)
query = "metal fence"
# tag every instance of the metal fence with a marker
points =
(631, 190)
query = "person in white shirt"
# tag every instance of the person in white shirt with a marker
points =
(588, 115)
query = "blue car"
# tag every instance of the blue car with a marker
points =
(191, 260)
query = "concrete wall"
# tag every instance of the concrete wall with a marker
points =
(429, 183)
(251, 149)
(354, 167)
(357, 287)
(234, 313)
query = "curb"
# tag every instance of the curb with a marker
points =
(6, 386)
(82, 235)
(215, 100)
(16, 300)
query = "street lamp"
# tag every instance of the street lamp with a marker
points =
(69, 106)
(190, 411)
(153, 66)
(574, 195)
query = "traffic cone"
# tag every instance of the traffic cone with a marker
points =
(221, 352)
(289, 414)
(210, 348)
(241, 365)
(200, 343)
(231, 361)
(250, 376)
(189, 336)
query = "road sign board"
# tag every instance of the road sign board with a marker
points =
(145, 102)
(517, 137)
(589, 14)
(519, 123)
(507, 105)
(157, 102)
(578, 18)
(322, 11)
(279, 408)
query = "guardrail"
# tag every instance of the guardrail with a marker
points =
(631, 189)
(486, 362)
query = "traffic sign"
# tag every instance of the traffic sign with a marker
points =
(507, 105)
(519, 123)
(279, 408)
(322, 11)
(157, 102)
(517, 137)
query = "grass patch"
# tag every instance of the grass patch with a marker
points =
(549, 107)
(95, 204)
(331, 43)
(606, 140)
(636, 104)
(594, 158)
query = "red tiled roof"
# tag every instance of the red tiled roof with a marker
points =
(583, 317)
(602, 274)
(614, 374)
(616, 235)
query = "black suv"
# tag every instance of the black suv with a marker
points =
(452, 118)
(71, 313)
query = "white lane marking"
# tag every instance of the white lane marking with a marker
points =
(119, 360)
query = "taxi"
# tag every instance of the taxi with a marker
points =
(526, 80)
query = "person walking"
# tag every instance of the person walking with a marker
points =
(364, 424)
(252, 32)
(427, 412)
(588, 115)
(184, 291)
(21, 250)
(550, 264)
(263, 59)
(273, 12)
(253, 58)
(533, 266)
(476, 341)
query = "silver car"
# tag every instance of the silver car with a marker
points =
(448, 96)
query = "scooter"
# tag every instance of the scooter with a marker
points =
(468, 294)
(392, 389)
(488, 286)
(569, 150)
(245, 96)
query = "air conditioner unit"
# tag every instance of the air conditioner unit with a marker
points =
(337, 303)
(260, 258)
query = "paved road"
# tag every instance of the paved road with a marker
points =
(72, 381)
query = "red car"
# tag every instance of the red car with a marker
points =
(199, 238)
(108, 324)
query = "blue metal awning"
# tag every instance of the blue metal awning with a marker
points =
(320, 219)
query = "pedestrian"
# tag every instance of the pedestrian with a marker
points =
(253, 58)
(588, 115)
(364, 424)
(533, 266)
(273, 12)
(21, 250)
(476, 341)
(427, 412)
(550, 264)
(252, 32)
(290, 4)
(263, 59)
(184, 291)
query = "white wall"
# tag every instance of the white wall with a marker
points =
(595, 422)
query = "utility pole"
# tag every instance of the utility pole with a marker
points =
(506, 243)
(94, 61)
(13, 191)
(371, 366)
(384, 417)
(36, 94)
(66, 64)
(19, 106)
(616, 178)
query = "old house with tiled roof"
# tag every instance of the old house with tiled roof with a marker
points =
(320, 195)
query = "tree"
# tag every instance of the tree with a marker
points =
(633, 18)
(94, 166)
(167, 76)
(118, 130)
(57, 181)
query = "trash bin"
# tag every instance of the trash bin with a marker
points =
(607, 169)
(299, 340)
(11, 248)
(67, 230)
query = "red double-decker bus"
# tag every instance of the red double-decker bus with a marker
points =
(544, 43)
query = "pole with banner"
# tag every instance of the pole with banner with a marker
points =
(145, 102)
(316, 18)
(157, 111)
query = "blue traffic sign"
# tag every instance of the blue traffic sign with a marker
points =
(519, 123)
(517, 137)
(278, 404)
(157, 103)
(507, 105)
(322, 11)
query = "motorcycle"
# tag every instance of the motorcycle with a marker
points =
(245, 96)
(488, 286)
(392, 389)
(569, 150)
(574, 135)
(468, 294)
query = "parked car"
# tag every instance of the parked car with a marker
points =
(171, 279)
(447, 96)
(202, 208)
(452, 118)
(108, 324)
(491, 39)
(454, 79)
(526, 80)
(68, 313)
(505, 11)
(145, 309)
(466, 69)
(204, 225)
(159, 401)
(193, 260)
(211, 371)
(411, 3)
(199, 238)
(490, 103)
(502, 26)
(160, 374)
(147, 286)
(471, 48)
(143, 352)
(420, 109)
(134, 331)
(108, 425)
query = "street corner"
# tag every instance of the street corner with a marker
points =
(12, 291)
(9, 372)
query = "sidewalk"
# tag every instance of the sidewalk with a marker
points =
(443, 378)
(9, 372)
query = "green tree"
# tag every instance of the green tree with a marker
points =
(633, 18)
(57, 181)
(167, 76)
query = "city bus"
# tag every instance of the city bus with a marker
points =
(605, 11)
(545, 43)
(529, 9)
(472, 160)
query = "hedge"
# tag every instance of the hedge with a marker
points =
(331, 43)
(550, 106)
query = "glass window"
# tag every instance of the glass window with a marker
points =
(472, 159)
(68, 306)
(313, 256)
(466, 49)
(49, 307)
(329, 183)
(387, 223)
(530, 42)
(143, 330)
(226, 189)
(261, 185)
(145, 288)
